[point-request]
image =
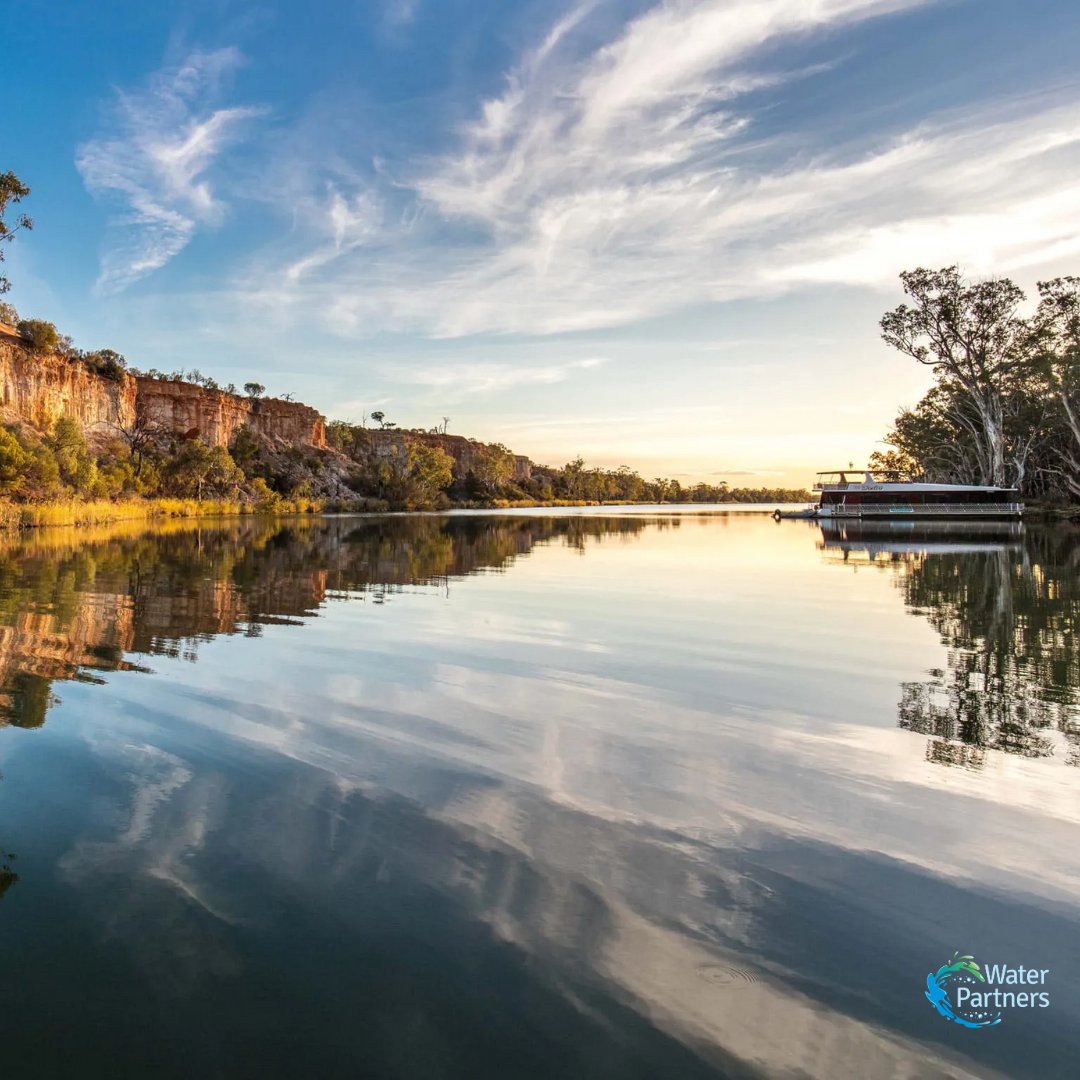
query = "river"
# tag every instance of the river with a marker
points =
(589, 793)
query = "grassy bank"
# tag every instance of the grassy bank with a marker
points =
(77, 513)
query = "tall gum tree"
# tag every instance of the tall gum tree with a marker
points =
(971, 334)
(1056, 345)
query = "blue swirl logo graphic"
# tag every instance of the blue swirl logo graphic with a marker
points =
(941, 989)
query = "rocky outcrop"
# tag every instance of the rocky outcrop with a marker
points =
(215, 416)
(464, 451)
(38, 388)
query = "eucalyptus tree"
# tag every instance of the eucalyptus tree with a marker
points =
(972, 335)
(1056, 346)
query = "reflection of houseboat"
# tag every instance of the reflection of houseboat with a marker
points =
(857, 493)
(876, 539)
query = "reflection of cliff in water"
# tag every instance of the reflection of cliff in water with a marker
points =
(1005, 600)
(73, 605)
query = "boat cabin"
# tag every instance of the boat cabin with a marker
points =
(872, 493)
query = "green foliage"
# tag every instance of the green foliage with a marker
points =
(409, 477)
(1055, 343)
(265, 499)
(200, 471)
(12, 192)
(492, 468)
(39, 334)
(12, 462)
(254, 389)
(972, 337)
(77, 466)
(429, 471)
(106, 362)
(245, 448)
(349, 439)
(115, 479)
(8, 314)
(28, 468)
(1005, 405)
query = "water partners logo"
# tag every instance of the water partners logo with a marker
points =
(963, 992)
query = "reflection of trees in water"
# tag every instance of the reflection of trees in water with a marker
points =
(74, 606)
(1010, 620)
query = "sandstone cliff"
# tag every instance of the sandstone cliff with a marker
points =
(38, 388)
(216, 417)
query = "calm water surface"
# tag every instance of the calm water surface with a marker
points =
(534, 795)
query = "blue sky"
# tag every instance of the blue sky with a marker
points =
(655, 234)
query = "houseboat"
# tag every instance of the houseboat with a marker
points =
(862, 493)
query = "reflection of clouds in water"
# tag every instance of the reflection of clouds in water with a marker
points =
(142, 889)
(624, 751)
(626, 814)
(580, 896)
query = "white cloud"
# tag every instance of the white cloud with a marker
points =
(611, 184)
(399, 13)
(347, 223)
(462, 380)
(154, 162)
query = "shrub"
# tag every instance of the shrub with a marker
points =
(202, 471)
(107, 363)
(28, 469)
(76, 464)
(266, 501)
(39, 334)
(12, 462)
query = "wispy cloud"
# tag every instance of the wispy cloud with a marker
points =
(610, 184)
(397, 13)
(154, 160)
(346, 222)
(463, 380)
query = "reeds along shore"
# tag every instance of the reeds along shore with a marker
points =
(73, 512)
(60, 513)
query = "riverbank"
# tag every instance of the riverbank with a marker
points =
(79, 514)
(73, 513)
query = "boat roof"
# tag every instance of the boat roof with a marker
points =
(913, 486)
(895, 479)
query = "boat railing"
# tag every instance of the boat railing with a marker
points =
(858, 509)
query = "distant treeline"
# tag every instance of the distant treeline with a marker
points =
(425, 475)
(575, 481)
(1004, 409)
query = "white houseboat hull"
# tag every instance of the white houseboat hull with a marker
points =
(945, 510)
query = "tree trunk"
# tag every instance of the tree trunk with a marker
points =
(988, 404)
(1072, 415)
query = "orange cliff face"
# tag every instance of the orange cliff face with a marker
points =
(215, 416)
(38, 388)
